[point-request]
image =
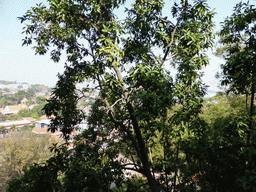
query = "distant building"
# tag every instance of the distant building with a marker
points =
(18, 124)
(42, 126)
(13, 109)
(23, 101)
(13, 88)
(10, 94)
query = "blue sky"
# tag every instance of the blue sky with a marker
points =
(19, 63)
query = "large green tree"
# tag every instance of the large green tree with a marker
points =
(128, 59)
(238, 37)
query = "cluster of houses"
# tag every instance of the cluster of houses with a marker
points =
(14, 109)
(41, 126)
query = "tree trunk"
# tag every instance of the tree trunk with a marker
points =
(246, 101)
(141, 143)
(144, 154)
(251, 114)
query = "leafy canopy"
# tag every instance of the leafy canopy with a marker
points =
(128, 62)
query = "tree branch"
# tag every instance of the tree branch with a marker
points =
(164, 20)
(173, 33)
(141, 143)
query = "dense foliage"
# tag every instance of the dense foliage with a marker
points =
(35, 112)
(144, 121)
(18, 151)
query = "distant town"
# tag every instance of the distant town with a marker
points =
(21, 107)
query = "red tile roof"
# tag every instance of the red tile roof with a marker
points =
(17, 107)
(46, 117)
(56, 135)
(29, 118)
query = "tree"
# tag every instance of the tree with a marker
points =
(35, 112)
(39, 88)
(19, 150)
(14, 128)
(129, 60)
(13, 117)
(28, 127)
(28, 102)
(238, 37)
(40, 99)
(218, 160)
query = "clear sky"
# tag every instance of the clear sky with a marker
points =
(19, 63)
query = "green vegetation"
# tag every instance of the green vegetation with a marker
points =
(28, 127)
(12, 117)
(29, 94)
(40, 99)
(35, 112)
(6, 90)
(18, 151)
(2, 117)
(145, 120)
(2, 128)
(39, 88)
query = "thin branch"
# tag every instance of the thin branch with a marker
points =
(141, 186)
(120, 78)
(83, 95)
(95, 28)
(174, 55)
(176, 173)
(133, 169)
(111, 107)
(134, 90)
(164, 20)
(135, 165)
(173, 33)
